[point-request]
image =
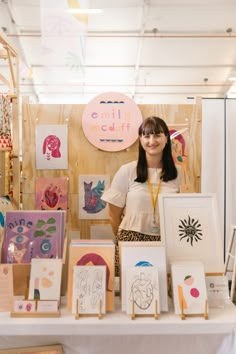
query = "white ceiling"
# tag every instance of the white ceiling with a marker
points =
(157, 51)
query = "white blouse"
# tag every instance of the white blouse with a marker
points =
(135, 196)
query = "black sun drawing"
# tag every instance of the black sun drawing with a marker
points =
(190, 230)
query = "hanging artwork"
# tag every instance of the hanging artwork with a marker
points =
(91, 188)
(51, 147)
(190, 229)
(179, 134)
(51, 193)
(45, 279)
(142, 290)
(189, 287)
(89, 289)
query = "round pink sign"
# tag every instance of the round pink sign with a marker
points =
(111, 120)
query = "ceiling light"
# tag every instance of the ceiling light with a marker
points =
(232, 78)
(84, 11)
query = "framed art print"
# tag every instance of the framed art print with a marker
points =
(190, 229)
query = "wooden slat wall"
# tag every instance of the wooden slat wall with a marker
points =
(84, 158)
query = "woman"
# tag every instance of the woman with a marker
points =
(133, 195)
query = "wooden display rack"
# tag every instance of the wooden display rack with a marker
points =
(36, 313)
(99, 314)
(204, 314)
(155, 314)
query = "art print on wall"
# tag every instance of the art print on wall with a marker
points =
(190, 229)
(91, 188)
(142, 290)
(89, 289)
(45, 279)
(51, 193)
(51, 147)
(179, 135)
(189, 287)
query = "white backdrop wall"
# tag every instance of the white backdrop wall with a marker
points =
(218, 161)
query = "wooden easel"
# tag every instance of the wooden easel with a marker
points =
(204, 314)
(231, 254)
(99, 314)
(133, 315)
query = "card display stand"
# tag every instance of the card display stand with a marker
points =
(36, 313)
(204, 314)
(155, 314)
(99, 313)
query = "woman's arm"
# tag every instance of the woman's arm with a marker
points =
(115, 214)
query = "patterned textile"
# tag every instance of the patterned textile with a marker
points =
(5, 122)
(125, 235)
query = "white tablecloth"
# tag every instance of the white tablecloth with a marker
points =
(116, 333)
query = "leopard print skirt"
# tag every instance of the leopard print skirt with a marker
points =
(125, 235)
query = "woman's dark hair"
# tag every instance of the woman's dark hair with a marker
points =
(155, 125)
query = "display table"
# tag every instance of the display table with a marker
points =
(116, 333)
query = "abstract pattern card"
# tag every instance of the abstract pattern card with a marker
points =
(188, 287)
(91, 188)
(93, 253)
(142, 290)
(51, 193)
(45, 279)
(89, 289)
(6, 286)
(31, 234)
(51, 147)
(144, 254)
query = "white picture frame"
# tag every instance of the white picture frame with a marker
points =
(190, 229)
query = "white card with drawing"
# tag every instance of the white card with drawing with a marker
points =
(142, 290)
(89, 289)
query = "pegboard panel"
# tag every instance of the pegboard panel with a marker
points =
(86, 159)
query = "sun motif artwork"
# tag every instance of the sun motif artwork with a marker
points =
(190, 230)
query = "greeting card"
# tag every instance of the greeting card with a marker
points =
(45, 279)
